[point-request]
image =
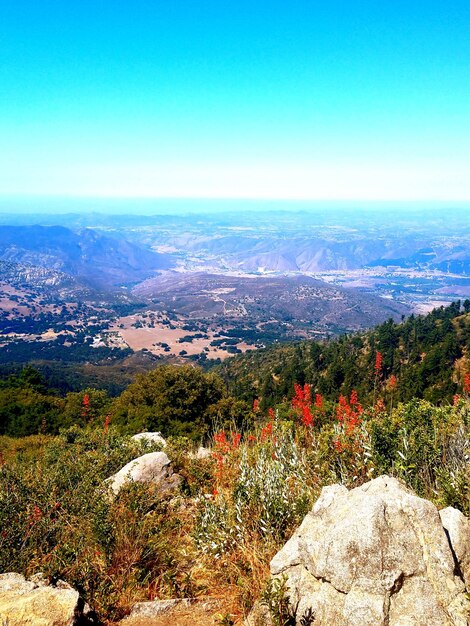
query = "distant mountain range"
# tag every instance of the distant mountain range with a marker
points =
(86, 255)
(252, 254)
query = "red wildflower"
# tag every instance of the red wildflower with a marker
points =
(302, 402)
(466, 383)
(307, 417)
(255, 405)
(220, 438)
(349, 413)
(338, 446)
(236, 437)
(272, 414)
(392, 382)
(267, 431)
(222, 444)
(456, 399)
(319, 401)
(378, 363)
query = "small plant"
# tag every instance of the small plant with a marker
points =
(224, 620)
(276, 600)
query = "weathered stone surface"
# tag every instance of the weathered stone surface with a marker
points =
(156, 608)
(150, 437)
(457, 527)
(374, 556)
(154, 467)
(28, 603)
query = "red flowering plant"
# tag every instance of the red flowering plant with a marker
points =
(351, 442)
(466, 384)
(224, 447)
(308, 410)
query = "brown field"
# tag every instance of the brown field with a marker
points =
(149, 337)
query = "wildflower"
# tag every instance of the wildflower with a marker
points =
(106, 424)
(221, 442)
(456, 399)
(302, 402)
(307, 417)
(466, 383)
(392, 383)
(378, 364)
(236, 437)
(86, 405)
(349, 413)
(267, 431)
(338, 446)
(255, 405)
(319, 401)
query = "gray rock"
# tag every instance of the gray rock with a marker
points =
(163, 607)
(374, 556)
(150, 437)
(154, 467)
(457, 527)
(34, 603)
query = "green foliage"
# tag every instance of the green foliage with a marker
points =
(275, 598)
(268, 495)
(171, 399)
(57, 517)
(423, 353)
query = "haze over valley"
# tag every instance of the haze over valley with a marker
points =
(204, 285)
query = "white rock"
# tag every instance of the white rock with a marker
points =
(203, 453)
(374, 556)
(150, 437)
(26, 603)
(154, 467)
(457, 527)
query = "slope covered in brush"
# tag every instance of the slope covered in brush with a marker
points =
(423, 357)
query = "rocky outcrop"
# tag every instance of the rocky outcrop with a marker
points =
(35, 603)
(457, 528)
(377, 555)
(150, 437)
(154, 467)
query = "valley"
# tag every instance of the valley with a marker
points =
(203, 286)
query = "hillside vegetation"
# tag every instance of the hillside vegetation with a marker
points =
(423, 357)
(267, 462)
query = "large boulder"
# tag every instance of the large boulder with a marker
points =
(457, 528)
(154, 467)
(377, 555)
(35, 603)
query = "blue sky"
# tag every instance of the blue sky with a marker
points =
(300, 99)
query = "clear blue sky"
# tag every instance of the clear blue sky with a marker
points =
(302, 99)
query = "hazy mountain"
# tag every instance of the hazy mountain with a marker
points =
(86, 254)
